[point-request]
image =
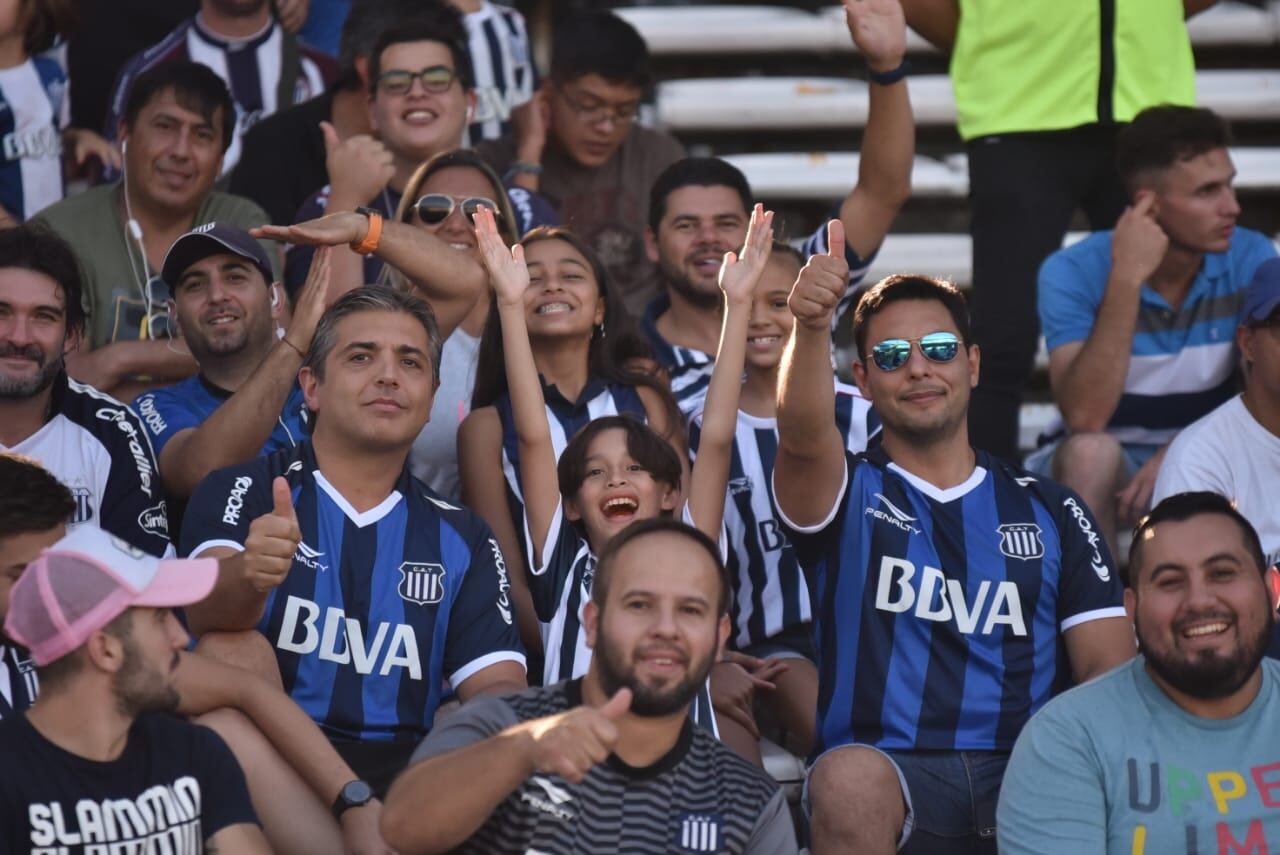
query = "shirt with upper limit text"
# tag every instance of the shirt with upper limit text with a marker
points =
(700, 797)
(381, 609)
(939, 614)
(174, 786)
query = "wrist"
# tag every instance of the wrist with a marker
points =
(888, 72)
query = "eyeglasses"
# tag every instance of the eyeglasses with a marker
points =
(434, 208)
(595, 114)
(437, 78)
(893, 353)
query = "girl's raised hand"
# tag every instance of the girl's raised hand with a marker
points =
(739, 275)
(508, 273)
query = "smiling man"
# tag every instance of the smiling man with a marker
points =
(1140, 321)
(950, 589)
(1175, 751)
(176, 126)
(609, 762)
(374, 592)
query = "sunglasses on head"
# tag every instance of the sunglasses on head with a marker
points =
(434, 208)
(893, 353)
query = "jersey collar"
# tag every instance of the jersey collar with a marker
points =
(361, 519)
(878, 456)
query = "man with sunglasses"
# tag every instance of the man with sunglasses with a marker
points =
(1235, 450)
(947, 584)
(580, 145)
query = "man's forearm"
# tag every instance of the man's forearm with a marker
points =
(345, 265)
(109, 365)
(236, 430)
(888, 145)
(420, 815)
(806, 392)
(233, 605)
(1093, 384)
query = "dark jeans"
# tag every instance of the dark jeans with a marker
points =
(953, 800)
(1023, 190)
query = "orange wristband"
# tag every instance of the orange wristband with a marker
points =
(369, 242)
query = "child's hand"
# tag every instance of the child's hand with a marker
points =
(738, 276)
(507, 271)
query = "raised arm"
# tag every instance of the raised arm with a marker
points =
(110, 368)
(809, 469)
(1088, 377)
(236, 430)
(359, 168)
(738, 278)
(879, 30)
(538, 479)
(449, 280)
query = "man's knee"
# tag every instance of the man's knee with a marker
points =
(857, 782)
(248, 650)
(1088, 458)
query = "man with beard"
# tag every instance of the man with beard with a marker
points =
(1140, 321)
(950, 590)
(101, 766)
(93, 443)
(699, 207)
(1175, 751)
(609, 762)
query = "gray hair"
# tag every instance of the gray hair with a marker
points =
(372, 298)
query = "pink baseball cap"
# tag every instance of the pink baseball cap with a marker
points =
(86, 580)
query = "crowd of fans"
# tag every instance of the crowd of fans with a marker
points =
(521, 505)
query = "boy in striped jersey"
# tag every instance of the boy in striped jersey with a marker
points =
(610, 762)
(770, 603)
(613, 472)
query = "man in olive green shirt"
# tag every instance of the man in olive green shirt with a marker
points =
(176, 127)
(1041, 89)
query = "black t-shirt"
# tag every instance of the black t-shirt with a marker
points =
(175, 786)
(282, 159)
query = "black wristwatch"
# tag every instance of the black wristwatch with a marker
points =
(353, 794)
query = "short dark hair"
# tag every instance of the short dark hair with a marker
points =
(695, 172)
(654, 454)
(372, 298)
(599, 43)
(47, 20)
(893, 289)
(195, 87)
(31, 498)
(1162, 136)
(1184, 506)
(657, 525)
(365, 22)
(36, 247)
(436, 22)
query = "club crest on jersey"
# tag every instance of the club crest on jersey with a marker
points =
(84, 505)
(421, 583)
(1021, 541)
(699, 832)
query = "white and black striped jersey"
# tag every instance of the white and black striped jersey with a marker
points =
(690, 369)
(265, 73)
(700, 797)
(18, 682)
(770, 595)
(99, 449)
(34, 109)
(504, 74)
(560, 584)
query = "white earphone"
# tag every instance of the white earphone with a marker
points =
(275, 297)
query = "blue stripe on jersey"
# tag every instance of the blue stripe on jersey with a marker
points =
(245, 81)
(938, 615)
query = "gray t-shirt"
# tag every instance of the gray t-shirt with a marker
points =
(1115, 766)
(699, 798)
(113, 286)
(434, 457)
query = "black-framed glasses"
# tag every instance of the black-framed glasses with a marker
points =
(594, 114)
(893, 353)
(437, 78)
(434, 208)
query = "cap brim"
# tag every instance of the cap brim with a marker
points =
(191, 248)
(179, 582)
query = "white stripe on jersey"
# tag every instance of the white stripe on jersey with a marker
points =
(499, 89)
(599, 406)
(35, 141)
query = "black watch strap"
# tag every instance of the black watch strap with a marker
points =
(353, 794)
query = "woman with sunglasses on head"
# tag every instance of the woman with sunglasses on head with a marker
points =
(587, 358)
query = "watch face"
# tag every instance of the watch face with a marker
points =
(357, 793)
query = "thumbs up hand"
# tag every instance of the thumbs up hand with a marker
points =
(821, 283)
(359, 166)
(571, 743)
(273, 538)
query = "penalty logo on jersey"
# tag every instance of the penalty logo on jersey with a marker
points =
(1021, 540)
(421, 583)
(699, 832)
